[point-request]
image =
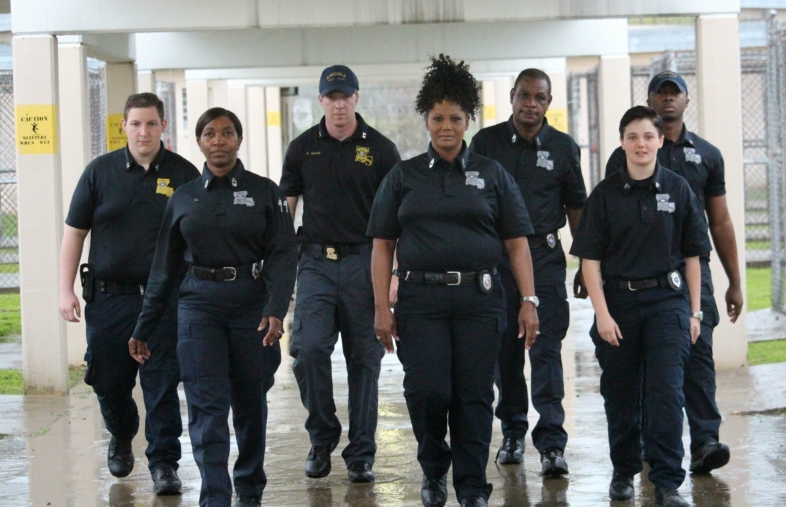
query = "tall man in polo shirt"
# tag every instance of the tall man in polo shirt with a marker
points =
(546, 166)
(701, 164)
(121, 198)
(337, 166)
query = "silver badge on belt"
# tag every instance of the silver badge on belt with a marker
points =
(551, 240)
(487, 281)
(675, 280)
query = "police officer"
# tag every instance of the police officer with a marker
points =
(121, 198)
(452, 213)
(701, 164)
(337, 166)
(546, 165)
(217, 228)
(639, 239)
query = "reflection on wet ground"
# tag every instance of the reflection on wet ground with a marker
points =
(52, 450)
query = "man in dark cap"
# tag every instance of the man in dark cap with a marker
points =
(701, 164)
(337, 166)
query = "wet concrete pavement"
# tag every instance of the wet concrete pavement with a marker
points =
(52, 450)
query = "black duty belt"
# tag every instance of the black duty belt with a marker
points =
(547, 239)
(118, 289)
(226, 274)
(442, 278)
(336, 251)
(667, 280)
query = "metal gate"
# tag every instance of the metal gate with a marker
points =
(9, 234)
(583, 120)
(775, 189)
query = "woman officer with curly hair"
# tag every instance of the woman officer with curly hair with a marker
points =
(450, 214)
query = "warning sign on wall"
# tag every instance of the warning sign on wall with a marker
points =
(558, 118)
(115, 135)
(36, 129)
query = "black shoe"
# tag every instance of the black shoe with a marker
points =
(667, 497)
(248, 501)
(434, 492)
(119, 457)
(166, 482)
(511, 452)
(552, 463)
(708, 457)
(474, 501)
(318, 461)
(360, 472)
(621, 488)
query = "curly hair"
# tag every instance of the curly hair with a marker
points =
(447, 80)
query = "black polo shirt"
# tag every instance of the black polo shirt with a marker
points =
(232, 221)
(448, 217)
(691, 157)
(547, 170)
(122, 205)
(337, 179)
(641, 229)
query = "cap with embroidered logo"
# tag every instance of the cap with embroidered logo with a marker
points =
(338, 78)
(667, 75)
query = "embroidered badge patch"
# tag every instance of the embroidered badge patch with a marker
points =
(543, 161)
(362, 155)
(692, 156)
(162, 187)
(474, 180)
(241, 198)
(664, 204)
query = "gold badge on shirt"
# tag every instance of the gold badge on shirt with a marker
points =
(362, 156)
(162, 187)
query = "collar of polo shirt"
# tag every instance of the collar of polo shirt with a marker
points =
(462, 158)
(628, 183)
(541, 138)
(208, 177)
(130, 162)
(360, 134)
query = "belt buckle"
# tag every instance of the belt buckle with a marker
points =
(458, 277)
(331, 253)
(234, 274)
(255, 271)
(631, 288)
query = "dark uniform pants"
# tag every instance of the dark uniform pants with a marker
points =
(224, 364)
(111, 370)
(332, 297)
(704, 418)
(655, 326)
(450, 337)
(548, 387)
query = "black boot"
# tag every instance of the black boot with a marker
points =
(166, 482)
(434, 492)
(668, 497)
(120, 457)
(621, 488)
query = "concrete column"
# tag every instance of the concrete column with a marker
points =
(197, 103)
(75, 155)
(256, 135)
(502, 96)
(613, 101)
(146, 81)
(720, 122)
(489, 98)
(120, 83)
(557, 116)
(237, 104)
(40, 197)
(275, 155)
(218, 93)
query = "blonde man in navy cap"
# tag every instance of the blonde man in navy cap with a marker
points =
(337, 166)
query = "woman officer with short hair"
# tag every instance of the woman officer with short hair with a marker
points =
(222, 225)
(639, 239)
(450, 214)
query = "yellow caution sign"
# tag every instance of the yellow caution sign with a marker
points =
(274, 119)
(115, 135)
(489, 113)
(558, 118)
(36, 129)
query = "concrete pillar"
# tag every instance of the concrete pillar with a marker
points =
(237, 104)
(197, 103)
(496, 101)
(218, 93)
(75, 155)
(720, 122)
(40, 197)
(275, 155)
(256, 130)
(120, 83)
(557, 116)
(613, 101)
(146, 81)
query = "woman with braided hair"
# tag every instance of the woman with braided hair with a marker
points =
(450, 214)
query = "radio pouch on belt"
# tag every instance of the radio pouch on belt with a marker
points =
(86, 277)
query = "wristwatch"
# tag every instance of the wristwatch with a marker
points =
(532, 299)
(698, 315)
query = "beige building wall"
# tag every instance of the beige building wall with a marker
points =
(275, 148)
(256, 137)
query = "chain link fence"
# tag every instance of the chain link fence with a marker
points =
(774, 191)
(9, 237)
(583, 120)
(96, 85)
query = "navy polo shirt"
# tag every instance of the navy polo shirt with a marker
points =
(547, 170)
(122, 205)
(641, 229)
(691, 157)
(337, 179)
(232, 221)
(448, 217)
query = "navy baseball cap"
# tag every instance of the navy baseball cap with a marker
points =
(662, 77)
(338, 78)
